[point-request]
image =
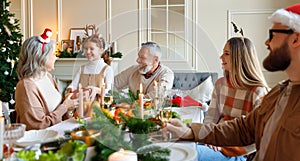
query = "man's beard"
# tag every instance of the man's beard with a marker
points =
(146, 69)
(279, 59)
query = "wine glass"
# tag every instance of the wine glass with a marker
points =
(108, 99)
(12, 132)
(165, 114)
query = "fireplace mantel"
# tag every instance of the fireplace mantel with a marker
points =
(65, 68)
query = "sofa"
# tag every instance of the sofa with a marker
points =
(199, 86)
(188, 81)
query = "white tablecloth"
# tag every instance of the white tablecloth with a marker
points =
(194, 113)
(67, 125)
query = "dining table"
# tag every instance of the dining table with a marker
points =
(190, 114)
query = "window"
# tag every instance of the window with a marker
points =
(167, 27)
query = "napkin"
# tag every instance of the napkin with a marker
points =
(187, 101)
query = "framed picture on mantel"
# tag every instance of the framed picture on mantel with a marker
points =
(77, 34)
(67, 45)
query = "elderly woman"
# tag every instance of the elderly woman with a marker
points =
(39, 103)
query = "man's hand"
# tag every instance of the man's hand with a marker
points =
(177, 128)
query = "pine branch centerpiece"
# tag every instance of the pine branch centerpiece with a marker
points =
(125, 130)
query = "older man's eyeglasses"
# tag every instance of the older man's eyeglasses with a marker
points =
(290, 31)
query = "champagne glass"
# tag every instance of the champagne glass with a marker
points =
(12, 133)
(108, 99)
(165, 114)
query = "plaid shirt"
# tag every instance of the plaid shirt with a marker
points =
(228, 102)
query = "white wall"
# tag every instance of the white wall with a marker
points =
(212, 23)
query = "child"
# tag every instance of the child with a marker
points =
(96, 72)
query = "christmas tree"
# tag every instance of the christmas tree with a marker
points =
(10, 46)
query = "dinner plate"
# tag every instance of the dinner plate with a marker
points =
(37, 136)
(179, 151)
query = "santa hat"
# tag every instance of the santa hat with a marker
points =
(289, 16)
(45, 37)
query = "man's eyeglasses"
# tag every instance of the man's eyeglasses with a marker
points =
(290, 31)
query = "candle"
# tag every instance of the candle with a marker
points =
(141, 107)
(1, 131)
(123, 155)
(102, 87)
(80, 98)
(155, 96)
(155, 89)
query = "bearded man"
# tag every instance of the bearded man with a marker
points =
(148, 70)
(274, 127)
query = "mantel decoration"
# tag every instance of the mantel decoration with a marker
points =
(72, 48)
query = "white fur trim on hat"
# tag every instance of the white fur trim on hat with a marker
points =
(49, 33)
(47, 40)
(286, 18)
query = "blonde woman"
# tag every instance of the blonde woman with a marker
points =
(39, 103)
(235, 95)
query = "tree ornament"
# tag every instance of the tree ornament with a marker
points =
(11, 42)
(7, 30)
(0, 30)
(12, 101)
(12, 66)
(8, 60)
(3, 49)
(6, 72)
(11, 20)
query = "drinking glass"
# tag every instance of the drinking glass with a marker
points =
(12, 132)
(165, 114)
(108, 99)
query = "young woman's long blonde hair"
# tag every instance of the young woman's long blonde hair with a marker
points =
(245, 68)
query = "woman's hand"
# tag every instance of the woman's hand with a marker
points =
(70, 103)
(177, 128)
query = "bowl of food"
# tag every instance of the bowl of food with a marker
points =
(86, 135)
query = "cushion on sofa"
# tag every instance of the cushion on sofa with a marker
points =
(203, 91)
(198, 85)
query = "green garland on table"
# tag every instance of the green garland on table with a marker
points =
(112, 134)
